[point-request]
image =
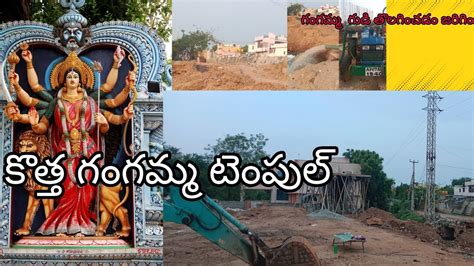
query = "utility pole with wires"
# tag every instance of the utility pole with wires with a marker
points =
(432, 110)
(412, 187)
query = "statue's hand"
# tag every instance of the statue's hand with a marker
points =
(128, 112)
(130, 79)
(100, 119)
(33, 116)
(27, 56)
(14, 78)
(12, 112)
(119, 55)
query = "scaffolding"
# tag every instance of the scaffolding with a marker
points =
(345, 194)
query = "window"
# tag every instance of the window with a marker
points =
(471, 188)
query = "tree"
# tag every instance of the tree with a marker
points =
(15, 10)
(380, 186)
(402, 192)
(460, 181)
(155, 14)
(190, 44)
(294, 9)
(251, 150)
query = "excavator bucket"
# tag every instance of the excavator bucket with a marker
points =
(293, 251)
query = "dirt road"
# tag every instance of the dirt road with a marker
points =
(275, 224)
(189, 75)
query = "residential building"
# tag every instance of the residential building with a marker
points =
(269, 45)
(327, 9)
(467, 190)
(228, 50)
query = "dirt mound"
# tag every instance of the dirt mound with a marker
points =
(303, 37)
(466, 239)
(189, 75)
(386, 217)
(417, 230)
(315, 69)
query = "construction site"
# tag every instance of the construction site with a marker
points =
(389, 240)
(334, 224)
(231, 73)
(313, 52)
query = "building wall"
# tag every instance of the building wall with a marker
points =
(467, 190)
(278, 50)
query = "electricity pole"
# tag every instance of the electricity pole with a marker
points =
(432, 110)
(412, 187)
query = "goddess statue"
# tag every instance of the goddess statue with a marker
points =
(74, 118)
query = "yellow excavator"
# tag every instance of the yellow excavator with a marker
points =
(210, 220)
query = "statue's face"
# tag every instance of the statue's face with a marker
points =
(27, 146)
(72, 79)
(72, 35)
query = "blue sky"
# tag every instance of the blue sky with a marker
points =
(390, 123)
(231, 21)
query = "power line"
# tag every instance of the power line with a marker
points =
(416, 131)
(456, 104)
(452, 153)
(457, 167)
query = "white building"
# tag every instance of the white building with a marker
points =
(269, 45)
(466, 191)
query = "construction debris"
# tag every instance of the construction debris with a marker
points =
(326, 214)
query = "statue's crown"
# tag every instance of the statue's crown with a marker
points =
(73, 15)
(72, 62)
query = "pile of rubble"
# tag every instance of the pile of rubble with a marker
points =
(377, 217)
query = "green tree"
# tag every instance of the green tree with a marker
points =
(380, 186)
(460, 181)
(446, 189)
(251, 150)
(402, 192)
(294, 9)
(190, 44)
(156, 14)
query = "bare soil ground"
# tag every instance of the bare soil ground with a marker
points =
(314, 67)
(320, 73)
(363, 83)
(386, 245)
(190, 75)
(303, 37)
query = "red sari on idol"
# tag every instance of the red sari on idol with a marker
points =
(74, 131)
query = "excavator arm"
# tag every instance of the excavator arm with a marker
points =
(211, 221)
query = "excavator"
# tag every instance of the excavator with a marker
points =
(207, 218)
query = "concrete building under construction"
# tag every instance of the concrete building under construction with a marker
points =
(344, 194)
